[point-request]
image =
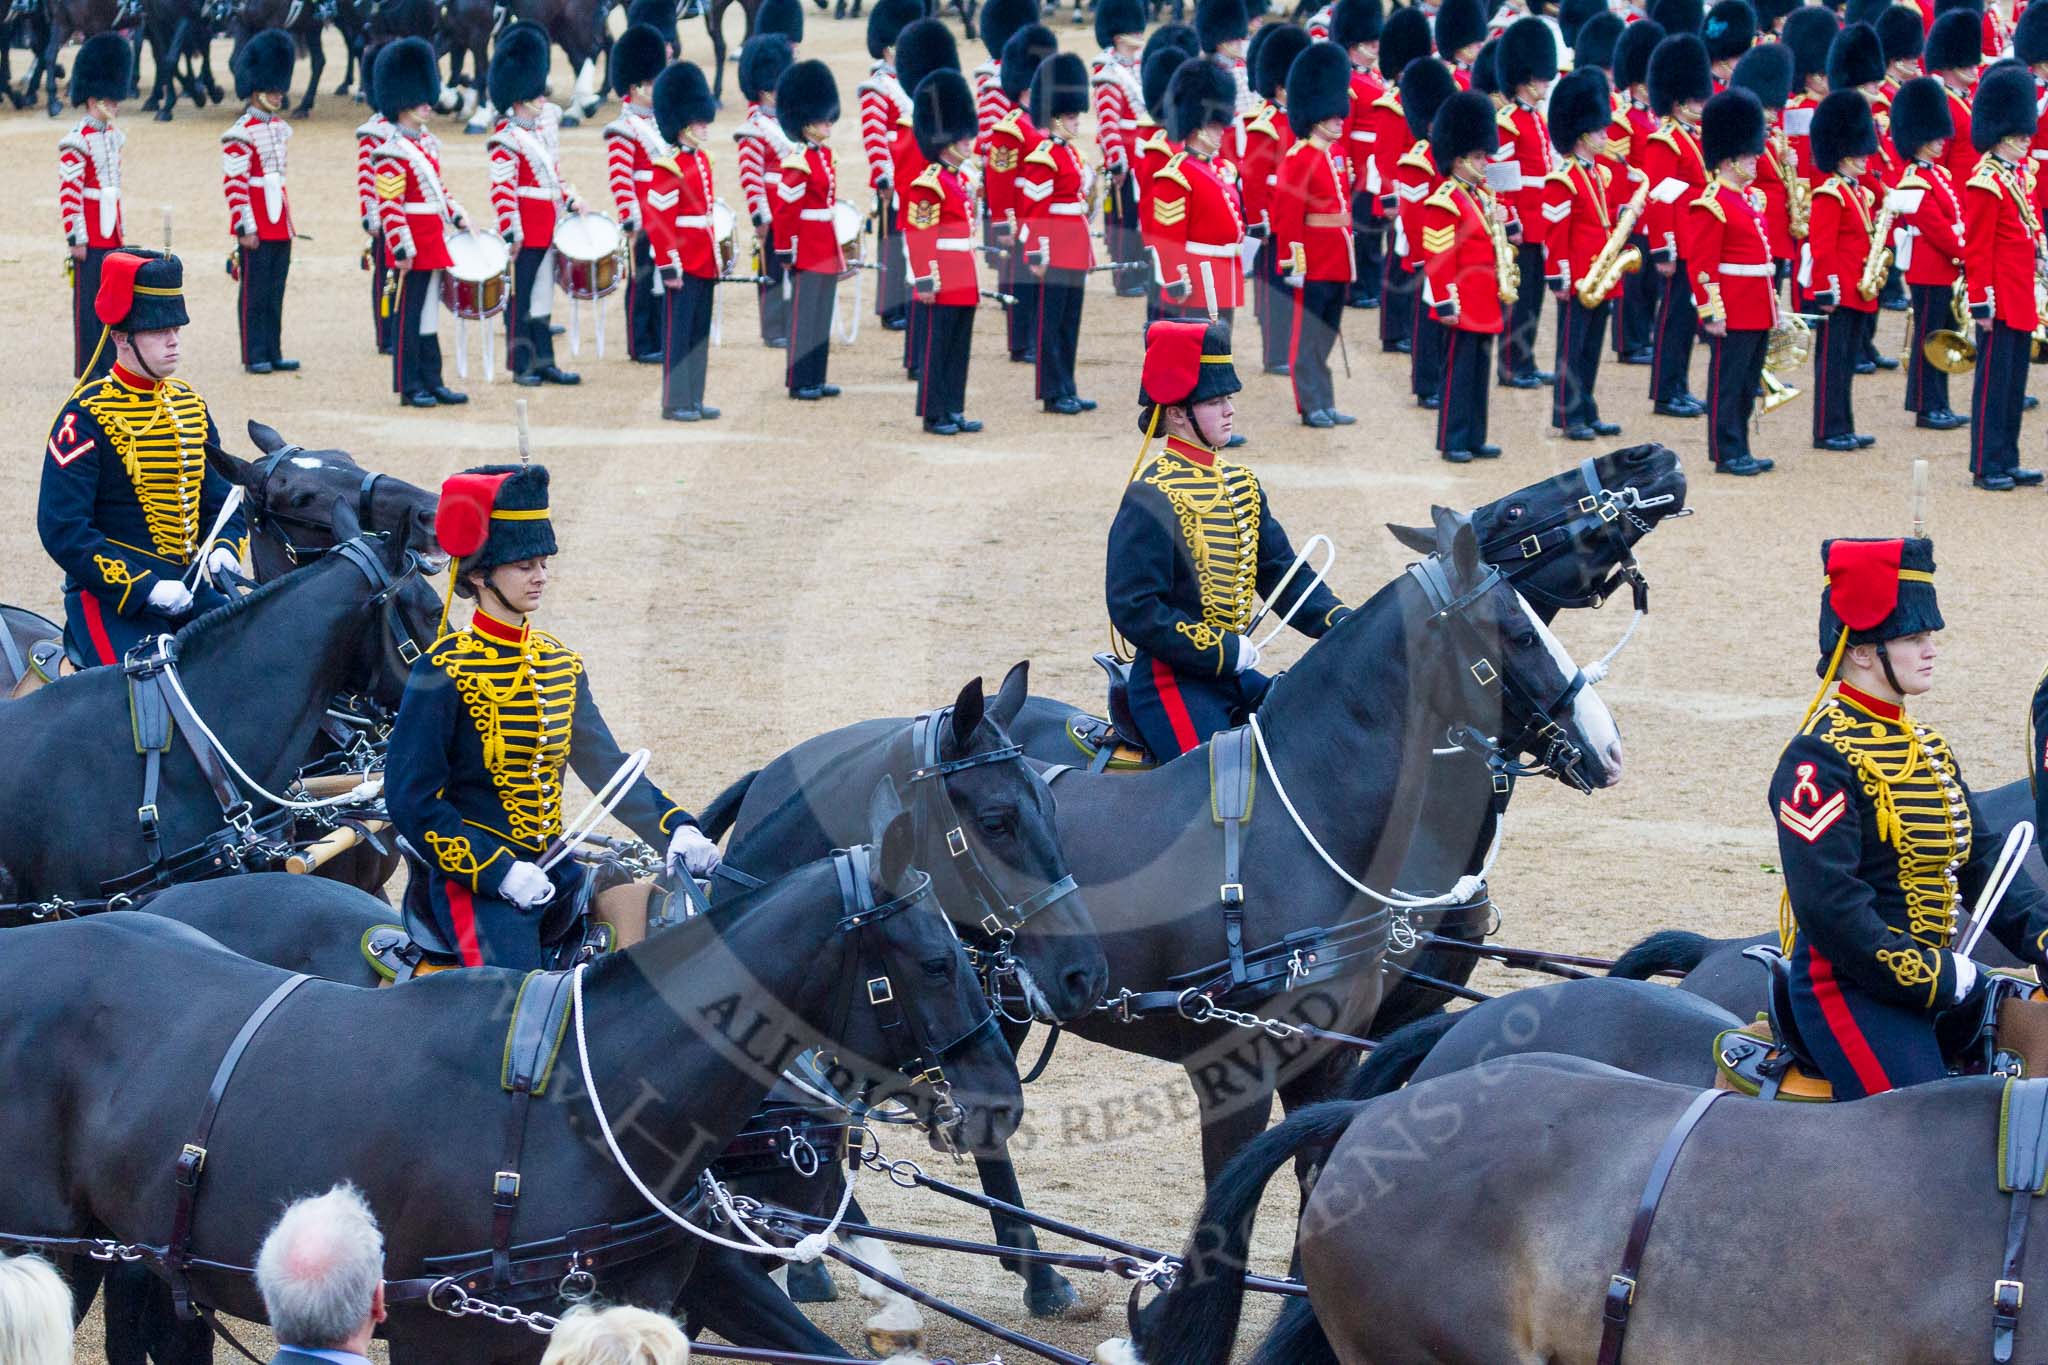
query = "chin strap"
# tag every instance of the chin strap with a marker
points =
(1884, 657)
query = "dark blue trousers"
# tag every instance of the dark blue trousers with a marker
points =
(1176, 713)
(1864, 1046)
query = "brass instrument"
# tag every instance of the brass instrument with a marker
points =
(1787, 347)
(1504, 265)
(1616, 257)
(1954, 351)
(1877, 261)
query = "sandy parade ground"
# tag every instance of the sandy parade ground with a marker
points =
(740, 585)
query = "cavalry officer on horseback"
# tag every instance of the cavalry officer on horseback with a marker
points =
(1875, 832)
(89, 183)
(491, 714)
(126, 491)
(252, 154)
(529, 196)
(1192, 542)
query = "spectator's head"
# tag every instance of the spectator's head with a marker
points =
(616, 1336)
(35, 1313)
(321, 1273)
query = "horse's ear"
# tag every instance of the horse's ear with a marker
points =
(1010, 696)
(1465, 551)
(266, 438)
(889, 830)
(1414, 537)
(967, 712)
(229, 467)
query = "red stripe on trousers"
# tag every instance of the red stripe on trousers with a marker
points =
(462, 910)
(1848, 1033)
(242, 281)
(1714, 345)
(924, 370)
(1294, 352)
(1176, 707)
(96, 628)
(1444, 391)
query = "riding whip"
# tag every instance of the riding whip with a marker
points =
(2002, 873)
(227, 509)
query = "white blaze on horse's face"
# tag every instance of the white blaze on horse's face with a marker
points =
(1589, 712)
(307, 462)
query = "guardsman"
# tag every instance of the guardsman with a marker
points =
(370, 135)
(1952, 55)
(1013, 138)
(1268, 137)
(1193, 541)
(492, 714)
(1883, 845)
(2001, 254)
(1728, 30)
(1766, 72)
(685, 244)
(1312, 225)
(1465, 240)
(1155, 149)
(1053, 237)
(1119, 100)
(1903, 37)
(1000, 20)
(1527, 64)
(1425, 84)
(127, 496)
(1382, 126)
(631, 146)
(1856, 62)
(1680, 84)
(89, 182)
(1578, 220)
(1837, 245)
(938, 232)
(1930, 241)
(1193, 208)
(1810, 33)
(762, 145)
(884, 105)
(805, 190)
(259, 214)
(1357, 28)
(2030, 45)
(924, 47)
(1642, 294)
(1460, 32)
(1732, 276)
(529, 196)
(417, 214)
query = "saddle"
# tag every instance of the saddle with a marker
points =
(42, 663)
(569, 932)
(1111, 745)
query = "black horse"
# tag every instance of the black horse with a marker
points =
(179, 34)
(578, 28)
(686, 1032)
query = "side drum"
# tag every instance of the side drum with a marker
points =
(588, 247)
(473, 286)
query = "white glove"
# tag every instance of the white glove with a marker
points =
(525, 885)
(1966, 977)
(1247, 653)
(222, 560)
(170, 597)
(696, 854)
(1296, 281)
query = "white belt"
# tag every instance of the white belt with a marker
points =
(1067, 210)
(816, 215)
(1363, 136)
(695, 220)
(954, 244)
(424, 210)
(1757, 271)
(535, 192)
(1210, 249)
(2040, 154)
(102, 194)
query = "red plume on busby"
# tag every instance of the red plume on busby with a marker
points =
(1842, 128)
(1201, 94)
(1920, 115)
(1855, 58)
(1731, 126)
(1463, 125)
(1318, 87)
(1059, 87)
(1527, 52)
(1809, 31)
(941, 112)
(2003, 107)
(1956, 42)
(682, 97)
(1460, 24)
(638, 55)
(1766, 72)
(101, 68)
(519, 66)
(1582, 103)
(495, 514)
(806, 94)
(1425, 85)
(1679, 71)
(265, 63)
(1356, 21)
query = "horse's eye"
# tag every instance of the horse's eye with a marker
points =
(304, 499)
(1525, 639)
(995, 824)
(1515, 511)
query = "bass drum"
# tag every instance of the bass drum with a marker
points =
(724, 225)
(587, 251)
(473, 286)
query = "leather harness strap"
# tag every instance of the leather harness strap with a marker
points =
(540, 1016)
(192, 1160)
(1233, 777)
(1621, 1286)
(2022, 1174)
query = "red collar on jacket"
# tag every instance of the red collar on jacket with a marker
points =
(1192, 453)
(1883, 710)
(491, 628)
(134, 380)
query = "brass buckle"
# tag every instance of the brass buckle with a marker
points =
(1531, 546)
(2018, 1291)
(1483, 671)
(991, 925)
(1625, 1283)
(506, 1184)
(880, 992)
(1231, 893)
(197, 1155)
(1588, 503)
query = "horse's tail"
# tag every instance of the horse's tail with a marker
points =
(1296, 1339)
(1195, 1322)
(1667, 950)
(1397, 1056)
(718, 817)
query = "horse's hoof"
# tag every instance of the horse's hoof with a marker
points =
(811, 1284)
(1059, 1299)
(163, 116)
(884, 1343)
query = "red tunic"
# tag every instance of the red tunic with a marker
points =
(1415, 179)
(1117, 99)
(806, 192)
(1463, 286)
(1577, 220)
(1728, 258)
(938, 236)
(762, 145)
(2000, 235)
(1009, 142)
(1524, 143)
(1052, 201)
(1267, 136)
(89, 184)
(631, 143)
(1838, 243)
(412, 203)
(1962, 157)
(1154, 151)
(906, 161)
(1390, 138)
(1357, 154)
(882, 103)
(1673, 154)
(990, 103)
(252, 168)
(527, 189)
(679, 227)
(1770, 182)
(1198, 215)
(1930, 238)
(1312, 215)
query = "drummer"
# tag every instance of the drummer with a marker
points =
(685, 242)
(416, 215)
(529, 194)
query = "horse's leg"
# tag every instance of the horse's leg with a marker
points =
(158, 78)
(181, 70)
(51, 51)
(1047, 1294)
(172, 1340)
(348, 70)
(713, 13)
(205, 44)
(588, 99)
(124, 1312)
(731, 1294)
(316, 53)
(483, 116)
(1231, 1117)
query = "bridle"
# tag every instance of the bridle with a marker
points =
(267, 521)
(1597, 516)
(385, 587)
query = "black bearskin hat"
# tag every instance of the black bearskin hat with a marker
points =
(886, 20)
(1729, 30)
(1001, 18)
(1463, 125)
(1956, 40)
(1425, 85)
(1221, 21)
(1185, 362)
(1678, 16)
(682, 97)
(924, 46)
(1527, 52)
(1942, 7)
(1404, 37)
(2030, 36)
(942, 112)
(1581, 104)
(763, 59)
(407, 76)
(1920, 115)
(1356, 21)
(1855, 58)
(1059, 87)
(1842, 127)
(265, 63)
(1459, 24)
(1632, 52)
(806, 94)
(1769, 13)
(1318, 86)
(368, 66)
(1732, 125)
(638, 55)
(1180, 37)
(1116, 17)
(140, 290)
(519, 66)
(1863, 12)
(1277, 45)
(1027, 47)
(1486, 68)
(659, 15)
(1901, 35)
(1766, 72)
(1573, 15)
(1679, 71)
(1201, 94)
(1598, 37)
(1877, 590)
(495, 514)
(101, 69)
(2003, 107)
(781, 16)
(1157, 76)
(1809, 32)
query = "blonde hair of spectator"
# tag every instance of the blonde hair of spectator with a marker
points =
(35, 1313)
(616, 1336)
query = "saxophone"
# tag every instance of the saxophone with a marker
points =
(1877, 261)
(1798, 194)
(1504, 266)
(1616, 257)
